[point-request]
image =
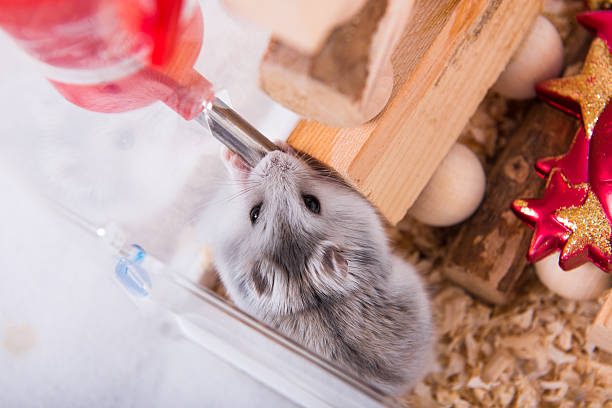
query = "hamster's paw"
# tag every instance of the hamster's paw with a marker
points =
(234, 164)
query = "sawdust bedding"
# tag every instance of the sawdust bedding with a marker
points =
(532, 352)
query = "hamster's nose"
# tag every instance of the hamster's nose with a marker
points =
(277, 159)
(275, 156)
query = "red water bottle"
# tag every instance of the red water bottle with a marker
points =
(114, 55)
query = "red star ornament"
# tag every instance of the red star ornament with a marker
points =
(590, 223)
(587, 94)
(600, 161)
(549, 234)
(573, 164)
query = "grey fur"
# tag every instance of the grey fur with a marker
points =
(328, 280)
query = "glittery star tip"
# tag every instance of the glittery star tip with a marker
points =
(547, 91)
(544, 166)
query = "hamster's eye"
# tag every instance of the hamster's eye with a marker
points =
(254, 214)
(312, 203)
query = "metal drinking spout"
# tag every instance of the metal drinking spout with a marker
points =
(235, 132)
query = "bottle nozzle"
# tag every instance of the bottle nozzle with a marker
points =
(235, 132)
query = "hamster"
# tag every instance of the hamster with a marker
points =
(298, 248)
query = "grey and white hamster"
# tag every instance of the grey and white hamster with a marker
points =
(298, 248)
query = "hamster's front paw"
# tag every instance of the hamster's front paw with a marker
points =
(235, 164)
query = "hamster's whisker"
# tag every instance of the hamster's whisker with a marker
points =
(223, 199)
(240, 193)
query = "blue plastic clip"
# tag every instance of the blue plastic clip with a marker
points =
(132, 275)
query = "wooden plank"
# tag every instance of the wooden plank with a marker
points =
(349, 80)
(448, 57)
(600, 332)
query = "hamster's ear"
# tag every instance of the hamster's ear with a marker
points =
(235, 165)
(329, 269)
(262, 277)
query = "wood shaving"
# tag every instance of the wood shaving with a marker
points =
(495, 367)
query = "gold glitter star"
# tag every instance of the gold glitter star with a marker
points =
(592, 89)
(590, 236)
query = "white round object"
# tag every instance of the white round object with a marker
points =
(454, 191)
(582, 283)
(540, 57)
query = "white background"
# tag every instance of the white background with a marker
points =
(90, 347)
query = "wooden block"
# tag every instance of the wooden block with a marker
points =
(586, 282)
(539, 58)
(459, 179)
(446, 60)
(304, 24)
(600, 332)
(487, 257)
(350, 79)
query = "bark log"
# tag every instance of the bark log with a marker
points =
(488, 255)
